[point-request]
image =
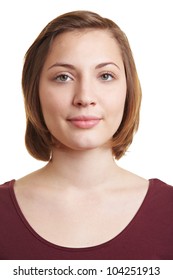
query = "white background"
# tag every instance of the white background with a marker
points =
(148, 26)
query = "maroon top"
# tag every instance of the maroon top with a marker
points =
(148, 236)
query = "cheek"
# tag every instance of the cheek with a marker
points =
(52, 113)
(49, 99)
(116, 104)
(115, 109)
(52, 103)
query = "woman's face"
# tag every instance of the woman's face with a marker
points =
(83, 89)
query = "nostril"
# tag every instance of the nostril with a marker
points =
(93, 103)
(85, 103)
(80, 104)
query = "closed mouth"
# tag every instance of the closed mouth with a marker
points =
(84, 121)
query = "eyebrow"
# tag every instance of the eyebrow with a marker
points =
(66, 65)
(70, 66)
(105, 64)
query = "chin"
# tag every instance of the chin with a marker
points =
(82, 143)
(84, 147)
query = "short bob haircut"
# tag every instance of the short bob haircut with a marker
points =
(38, 139)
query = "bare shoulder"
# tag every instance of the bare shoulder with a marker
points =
(132, 182)
(136, 181)
(131, 191)
(29, 183)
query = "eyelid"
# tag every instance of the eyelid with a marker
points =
(114, 76)
(63, 74)
(72, 78)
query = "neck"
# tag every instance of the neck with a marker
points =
(81, 169)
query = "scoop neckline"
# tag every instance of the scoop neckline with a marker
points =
(125, 230)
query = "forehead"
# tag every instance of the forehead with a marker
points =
(84, 34)
(90, 43)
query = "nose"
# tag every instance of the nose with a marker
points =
(84, 96)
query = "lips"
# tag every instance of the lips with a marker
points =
(84, 121)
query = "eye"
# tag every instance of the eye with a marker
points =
(107, 76)
(63, 78)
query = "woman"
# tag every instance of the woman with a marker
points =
(82, 98)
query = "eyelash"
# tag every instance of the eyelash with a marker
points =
(108, 74)
(58, 78)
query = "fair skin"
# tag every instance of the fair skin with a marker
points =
(84, 197)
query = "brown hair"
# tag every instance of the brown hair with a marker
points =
(38, 138)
